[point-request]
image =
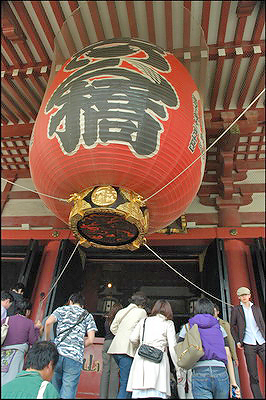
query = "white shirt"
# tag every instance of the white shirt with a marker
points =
(252, 332)
(3, 312)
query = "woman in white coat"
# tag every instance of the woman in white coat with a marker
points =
(146, 378)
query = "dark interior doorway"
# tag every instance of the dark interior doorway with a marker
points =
(20, 264)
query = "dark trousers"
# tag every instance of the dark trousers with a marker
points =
(251, 351)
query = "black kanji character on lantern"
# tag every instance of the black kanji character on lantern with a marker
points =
(105, 101)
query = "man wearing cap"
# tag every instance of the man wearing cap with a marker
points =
(248, 330)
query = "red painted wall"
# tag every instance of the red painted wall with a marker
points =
(89, 383)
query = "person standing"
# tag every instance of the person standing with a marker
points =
(230, 339)
(72, 326)
(121, 347)
(18, 293)
(248, 330)
(147, 378)
(209, 375)
(110, 373)
(21, 334)
(34, 382)
(6, 301)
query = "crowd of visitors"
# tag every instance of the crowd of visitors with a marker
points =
(139, 349)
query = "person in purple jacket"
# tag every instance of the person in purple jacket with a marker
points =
(22, 333)
(210, 374)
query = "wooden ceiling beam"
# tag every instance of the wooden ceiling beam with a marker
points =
(10, 25)
(44, 22)
(39, 221)
(27, 91)
(4, 120)
(20, 173)
(22, 130)
(186, 25)
(95, 16)
(18, 96)
(248, 78)
(114, 18)
(150, 21)
(14, 107)
(223, 22)
(259, 88)
(232, 80)
(4, 63)
(217, 80)
(259, 24)
(39, 87)
(132, 19)
(37, 68)
(11, 52)
(168, 25)
(77, 17)
(64, 29)
(205, 18)
(8, 114)
(23, 195)
(31, 30)
(24, 48)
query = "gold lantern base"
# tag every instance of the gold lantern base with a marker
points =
(109, 217)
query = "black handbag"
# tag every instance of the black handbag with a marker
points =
(149, 352)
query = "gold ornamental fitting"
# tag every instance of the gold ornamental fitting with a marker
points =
(109, 217)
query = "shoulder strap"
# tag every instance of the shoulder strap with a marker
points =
(143, 329)
(42, 389)
(67, 331)
(6, 321)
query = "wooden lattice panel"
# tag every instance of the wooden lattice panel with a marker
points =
(15, 153)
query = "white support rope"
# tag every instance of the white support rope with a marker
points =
(201, 155)
(63, 270)
(183, 277)
(34, 191)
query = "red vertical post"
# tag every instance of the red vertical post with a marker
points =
(44, 277)
(237, 255)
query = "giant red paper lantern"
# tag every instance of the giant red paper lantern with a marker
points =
(120, 120)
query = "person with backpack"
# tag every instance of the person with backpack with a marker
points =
(210, 378)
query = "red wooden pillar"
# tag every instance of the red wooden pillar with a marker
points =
(237, 255)
(45, 277)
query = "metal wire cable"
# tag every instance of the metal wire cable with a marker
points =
(34, 191)
(63, 270)
(201, 155)
(183, 277)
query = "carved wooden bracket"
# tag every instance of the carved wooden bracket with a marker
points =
(245, 8)
(10, 26)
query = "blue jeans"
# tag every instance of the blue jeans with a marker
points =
(66, 377)
(210, 383)
(124, 363)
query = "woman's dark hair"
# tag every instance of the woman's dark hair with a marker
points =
(40, 354)
(204, 306)
(162, 307)
(22, 306)
(77, 298)
(19, 286)
(6, 295)
(111, 314)
(139, 299)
